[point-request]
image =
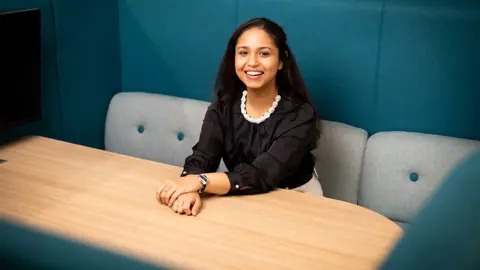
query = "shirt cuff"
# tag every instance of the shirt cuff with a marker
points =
(236, 183)
(186, 172)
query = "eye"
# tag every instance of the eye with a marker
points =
(264, 54)
(242, 52)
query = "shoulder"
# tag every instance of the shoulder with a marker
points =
(220, 108)
(295, 114)
(295, 108)
(226, 104)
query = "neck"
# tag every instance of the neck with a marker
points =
(262, 98)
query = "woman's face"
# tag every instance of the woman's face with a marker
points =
(256, 59)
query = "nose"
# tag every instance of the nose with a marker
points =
(252, 60)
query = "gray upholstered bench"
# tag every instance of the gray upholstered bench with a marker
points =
(392, 173)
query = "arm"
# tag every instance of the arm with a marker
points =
(206, 156)
(218, 183)
(207, 152)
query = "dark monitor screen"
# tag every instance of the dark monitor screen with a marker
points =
(20, 67)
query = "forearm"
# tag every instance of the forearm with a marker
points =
(218, 183)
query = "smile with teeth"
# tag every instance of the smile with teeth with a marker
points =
(254, 73)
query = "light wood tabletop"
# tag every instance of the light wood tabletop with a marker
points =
(108, 200)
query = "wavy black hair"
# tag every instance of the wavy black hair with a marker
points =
(288, 78)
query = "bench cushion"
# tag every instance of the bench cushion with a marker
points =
(402, 169)
(339, 160)
(154, 126)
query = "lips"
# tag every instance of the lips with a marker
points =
(254, 74)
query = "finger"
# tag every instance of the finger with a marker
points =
(162, 194)
(180, 207)
(196, 206)
(159, 190)
(165, 191)
(169, 193)
(186, 207)
(175, 194)
(174, 207)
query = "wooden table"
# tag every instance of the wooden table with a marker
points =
(108, 200)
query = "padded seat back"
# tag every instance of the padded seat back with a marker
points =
(154, 126)
(401, 170)
(339, 156)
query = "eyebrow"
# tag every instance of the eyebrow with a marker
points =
(261, 48)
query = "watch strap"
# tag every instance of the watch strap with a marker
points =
(204, 181)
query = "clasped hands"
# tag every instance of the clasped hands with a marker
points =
(181, 195)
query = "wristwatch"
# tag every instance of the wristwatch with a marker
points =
(204, 180)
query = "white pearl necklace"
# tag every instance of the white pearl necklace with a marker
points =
(262, 118)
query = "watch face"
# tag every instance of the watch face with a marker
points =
(203, 179)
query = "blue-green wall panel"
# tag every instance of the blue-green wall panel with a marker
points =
(89, 66)
(379, 65)
(413, 66)
(429, 68)
(50, 125)
(335, 43)
(174, 47)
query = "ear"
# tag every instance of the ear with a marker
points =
(281, 62)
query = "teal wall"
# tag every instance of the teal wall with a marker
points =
(173, 47)
(88, 65)
(81, 68)
(379, 65)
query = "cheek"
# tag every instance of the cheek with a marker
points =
(272, 67)
(239, 63)
(238, 68)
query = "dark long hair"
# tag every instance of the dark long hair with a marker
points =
(288, 79)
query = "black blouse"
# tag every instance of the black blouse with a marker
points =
(259, 157)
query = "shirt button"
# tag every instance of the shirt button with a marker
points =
(237, 186)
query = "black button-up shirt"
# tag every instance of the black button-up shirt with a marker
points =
(259, 157)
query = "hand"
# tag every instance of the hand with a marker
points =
(188, 203)
(170, 190)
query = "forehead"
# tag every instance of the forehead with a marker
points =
(255, 37)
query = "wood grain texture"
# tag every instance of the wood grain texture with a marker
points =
(108, 200)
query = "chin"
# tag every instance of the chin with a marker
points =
(254, 85)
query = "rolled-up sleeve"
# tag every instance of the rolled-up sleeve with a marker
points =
(280, 161)
(207, 152)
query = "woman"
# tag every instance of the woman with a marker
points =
(262, 123)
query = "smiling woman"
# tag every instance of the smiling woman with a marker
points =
(262, 123)
(257, 59)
